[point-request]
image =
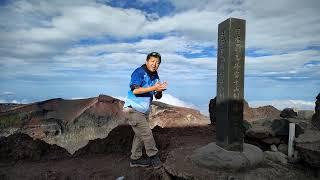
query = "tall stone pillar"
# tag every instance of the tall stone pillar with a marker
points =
(229, 151)
(230, 84)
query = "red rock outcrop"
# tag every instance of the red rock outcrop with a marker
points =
(165, 115)
(265, 112)
(71, 124)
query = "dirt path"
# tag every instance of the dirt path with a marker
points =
(109, 166)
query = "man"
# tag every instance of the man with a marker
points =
(144, 85)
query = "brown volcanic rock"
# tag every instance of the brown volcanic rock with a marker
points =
(108, 158)
(9, 106)
(180, 166)
(308, 145)
(71, 124)
(249, 114)
(288, 113)
(111, 160)
(22, 147)
(95, 120)
(165, 115)
(264, 112)
(64, 110)
(119, 140)
(67, 123)
(107, 106)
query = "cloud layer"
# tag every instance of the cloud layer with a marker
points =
(281, 104)
(82, 48)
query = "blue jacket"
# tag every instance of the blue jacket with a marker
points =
(141, 77)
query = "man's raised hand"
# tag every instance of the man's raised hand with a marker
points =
(160, 86)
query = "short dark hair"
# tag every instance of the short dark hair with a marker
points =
(154, 54)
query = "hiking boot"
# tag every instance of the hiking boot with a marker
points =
(155, 161)
(142, 162)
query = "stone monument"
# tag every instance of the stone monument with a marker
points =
(230, 83)
(229, 151)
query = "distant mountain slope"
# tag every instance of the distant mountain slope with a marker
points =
(264, 112)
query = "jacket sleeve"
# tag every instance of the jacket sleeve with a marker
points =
(136, 80)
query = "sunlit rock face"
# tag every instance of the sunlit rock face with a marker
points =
(165, 115)
(72, 123)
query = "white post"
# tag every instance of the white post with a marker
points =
(291, 138)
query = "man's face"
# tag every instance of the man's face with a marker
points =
(153, 64)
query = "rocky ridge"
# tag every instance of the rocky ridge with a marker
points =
(28, 129)
(71, 124)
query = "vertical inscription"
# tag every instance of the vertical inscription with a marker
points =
(236, 81)
(221, 64)
(236, 64)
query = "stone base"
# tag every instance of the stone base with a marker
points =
(213, 156)
(179, 164)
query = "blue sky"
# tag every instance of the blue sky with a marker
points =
(83, 48)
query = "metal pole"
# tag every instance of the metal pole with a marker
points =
(292, 127)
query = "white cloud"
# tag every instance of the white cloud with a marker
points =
(75, 98)
(117, 65)
(122, 98)
(23, 101)
(174, 67)
(284, 66)
(63, 26)
(15, 101)
(281, 104)
(67, 24)
(196, 25)
(169, 99)
(170, 44)
(41, 41)
(273, 26)
(7, 93)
